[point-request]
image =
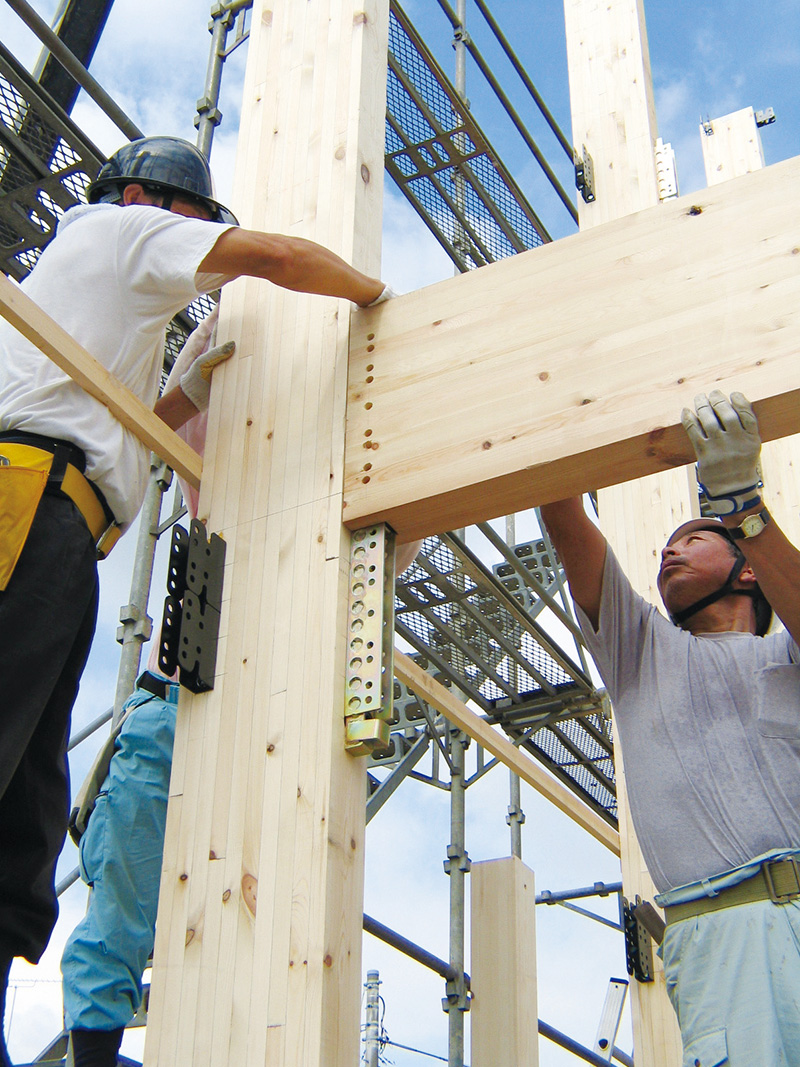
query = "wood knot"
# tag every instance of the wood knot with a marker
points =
(544, 376)
(328, 961)
(365, 174)
(189, 937)
(486, 445)
(270, 747)
(250, 892)
(226, 896)
(184, 877)
(695, 209)
(212, 854)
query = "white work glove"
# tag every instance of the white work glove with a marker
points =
(724, 435)
(196, 361)
(387, 293)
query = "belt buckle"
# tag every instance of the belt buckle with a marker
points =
(107, 539)
(783, 898)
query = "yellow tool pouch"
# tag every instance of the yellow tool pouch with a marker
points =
(21, 490)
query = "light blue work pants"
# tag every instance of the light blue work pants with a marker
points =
(120, 857)
(734, 980)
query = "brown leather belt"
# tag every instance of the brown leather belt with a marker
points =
(777, 880)
(75, 485)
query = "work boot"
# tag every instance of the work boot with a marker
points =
(96, 1048)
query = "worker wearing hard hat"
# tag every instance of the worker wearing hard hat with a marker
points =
(707, 711)
(72, 477)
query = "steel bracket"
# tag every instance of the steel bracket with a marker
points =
(584, 175)
(369, 674)
(638, 950)
(190, 624)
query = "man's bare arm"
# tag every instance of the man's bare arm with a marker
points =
(724, 434)
(776, 564)
(291, 262)
(582, 550)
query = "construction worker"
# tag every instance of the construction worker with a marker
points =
(708, 716)
(150, 240)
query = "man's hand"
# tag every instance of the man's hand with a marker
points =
(196, 381)
(724, 435)
(387, 293)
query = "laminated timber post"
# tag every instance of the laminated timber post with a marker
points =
(731, 150)
(258, 949)
(614, 120)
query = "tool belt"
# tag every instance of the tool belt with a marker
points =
(31, 465)
(777, 880)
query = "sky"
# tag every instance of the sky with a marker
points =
(708, 59)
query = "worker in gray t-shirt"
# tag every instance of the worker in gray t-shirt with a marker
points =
(707, 708)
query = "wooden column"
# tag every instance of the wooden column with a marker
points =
(504, 1015)
(613, 115)
(257, 957)
(733, 149)
(731, 146)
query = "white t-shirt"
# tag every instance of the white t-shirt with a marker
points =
(112, 278)
(710, 734)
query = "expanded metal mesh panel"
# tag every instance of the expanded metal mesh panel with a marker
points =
(444, 164)
(441, 610)
(45, 166)
(592, 772)
(471, 631)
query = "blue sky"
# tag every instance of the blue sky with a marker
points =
(707, 59)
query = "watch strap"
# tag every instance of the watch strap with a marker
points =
(738, 534)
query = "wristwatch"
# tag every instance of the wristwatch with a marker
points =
(751, 526)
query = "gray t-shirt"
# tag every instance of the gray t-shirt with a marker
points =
(710, 734)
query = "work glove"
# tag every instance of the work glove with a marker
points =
(724, 435)
(196, 361)
(387, 293)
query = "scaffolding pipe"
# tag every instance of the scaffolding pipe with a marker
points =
(412, 950)
(512, 114)
(372, 1042)
(59, 50)
(136, 625)
(456, 1002)
(208, 115)
(525, 78)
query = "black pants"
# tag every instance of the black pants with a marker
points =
(47, 619)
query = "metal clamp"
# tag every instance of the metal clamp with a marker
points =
(369, 675)
(584, 175)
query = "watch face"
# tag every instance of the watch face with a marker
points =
(752, 525)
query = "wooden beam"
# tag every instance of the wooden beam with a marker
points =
(27, 317)
(564, 368)
(456, 712)
(504, 1015)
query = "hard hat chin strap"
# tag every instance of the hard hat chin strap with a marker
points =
(679, 617)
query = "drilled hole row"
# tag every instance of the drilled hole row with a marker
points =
(361, 650)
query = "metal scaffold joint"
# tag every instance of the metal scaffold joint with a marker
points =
(458, 857)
